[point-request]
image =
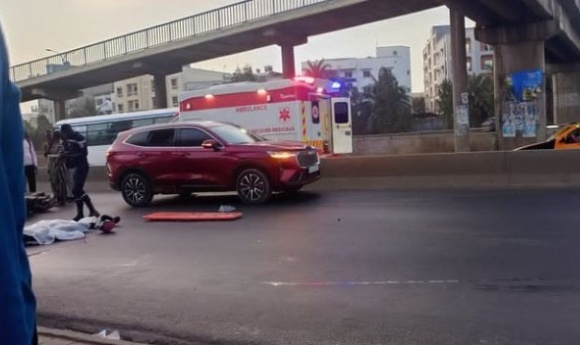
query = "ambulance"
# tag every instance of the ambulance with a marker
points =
(301, 109)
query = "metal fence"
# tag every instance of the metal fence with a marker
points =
(199, 24)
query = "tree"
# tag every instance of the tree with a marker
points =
(391, 105)
(37, 134)
(481, 99)
(445, 102)
(245, 74)
(317, 69)
(83, 107)
(419, 106)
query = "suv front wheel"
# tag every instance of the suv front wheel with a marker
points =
(253, 187)
(136, 190)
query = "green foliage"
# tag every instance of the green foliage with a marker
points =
(244, 74)
(82, 108)
(38, 134)
(317, 69)
(445, 102)
(391, 105)
(481, 99)
(419, 106)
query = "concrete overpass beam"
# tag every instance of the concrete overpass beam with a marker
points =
(287, 45)
(459, 80)
(59, 109)
(55, 94)
(518, 48)
(288, 61)
(160, 91)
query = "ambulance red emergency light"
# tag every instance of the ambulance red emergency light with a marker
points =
(302, 109)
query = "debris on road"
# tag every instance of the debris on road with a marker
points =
(226, 209)
(112, 335)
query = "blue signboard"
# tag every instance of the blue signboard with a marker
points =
(526, 85)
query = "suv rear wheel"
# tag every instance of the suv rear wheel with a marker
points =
(253, 187)
(136, 190)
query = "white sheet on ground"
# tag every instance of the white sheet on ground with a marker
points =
(47, 231)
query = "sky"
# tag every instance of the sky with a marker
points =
(32, 26)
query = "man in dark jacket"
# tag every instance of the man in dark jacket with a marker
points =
(17, 303)
(76, 152)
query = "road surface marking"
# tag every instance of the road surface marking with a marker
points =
(363, 283)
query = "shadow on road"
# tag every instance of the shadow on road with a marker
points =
(212, 202)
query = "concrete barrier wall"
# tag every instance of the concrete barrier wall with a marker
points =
(419, 143)
(478, 169)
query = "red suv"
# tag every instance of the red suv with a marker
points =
(183, 158)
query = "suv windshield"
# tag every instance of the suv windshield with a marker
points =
(236, 135)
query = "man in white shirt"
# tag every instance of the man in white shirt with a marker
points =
(30, 163)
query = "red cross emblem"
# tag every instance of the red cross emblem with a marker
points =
(284, 114)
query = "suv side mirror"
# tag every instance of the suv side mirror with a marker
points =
(211, 144)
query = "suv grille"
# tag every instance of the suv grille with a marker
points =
(308, 158)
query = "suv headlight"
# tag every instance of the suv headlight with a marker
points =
(282, 154)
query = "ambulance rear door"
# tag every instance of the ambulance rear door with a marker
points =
(342, 141)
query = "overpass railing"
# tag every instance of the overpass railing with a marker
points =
(199, 24)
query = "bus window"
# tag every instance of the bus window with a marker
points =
(98, 134)
(164, 119)
(81, 129)
(142, 122)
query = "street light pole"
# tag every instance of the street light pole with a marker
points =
(62, 56)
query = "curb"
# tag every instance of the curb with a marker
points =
(80, 337)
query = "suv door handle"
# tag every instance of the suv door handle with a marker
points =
(180, 154)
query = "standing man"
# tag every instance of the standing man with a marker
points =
(30, 163)
(76, 152)
(17, 302)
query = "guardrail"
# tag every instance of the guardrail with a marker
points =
(199, 24)
(463, 170)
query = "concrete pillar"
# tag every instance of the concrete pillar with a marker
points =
(160, 91)
(566, 92)
(288, 61)
(517, 49)
(459, 80)
(59, 109)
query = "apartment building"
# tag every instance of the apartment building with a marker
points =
(362, 72)
(437, 60)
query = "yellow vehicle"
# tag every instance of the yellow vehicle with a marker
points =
(567, 138)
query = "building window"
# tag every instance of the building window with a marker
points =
(153, 105)
(469, 65)
(152, 85)
(468, 45)
(120, 108)
(133, 105)
(348, 74)
(486, 47)
(132, 89)
(367, 73)
(174, 101)
(119, 92)
(174, 85)
(487, 63)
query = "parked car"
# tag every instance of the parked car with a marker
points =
(488, 125)
(183, 158)
(567, 138)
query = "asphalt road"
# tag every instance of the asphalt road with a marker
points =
(400, 268)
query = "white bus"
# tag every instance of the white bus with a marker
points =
(100, 131)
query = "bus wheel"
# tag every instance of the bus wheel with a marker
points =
(136, 190)
(253, 187)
